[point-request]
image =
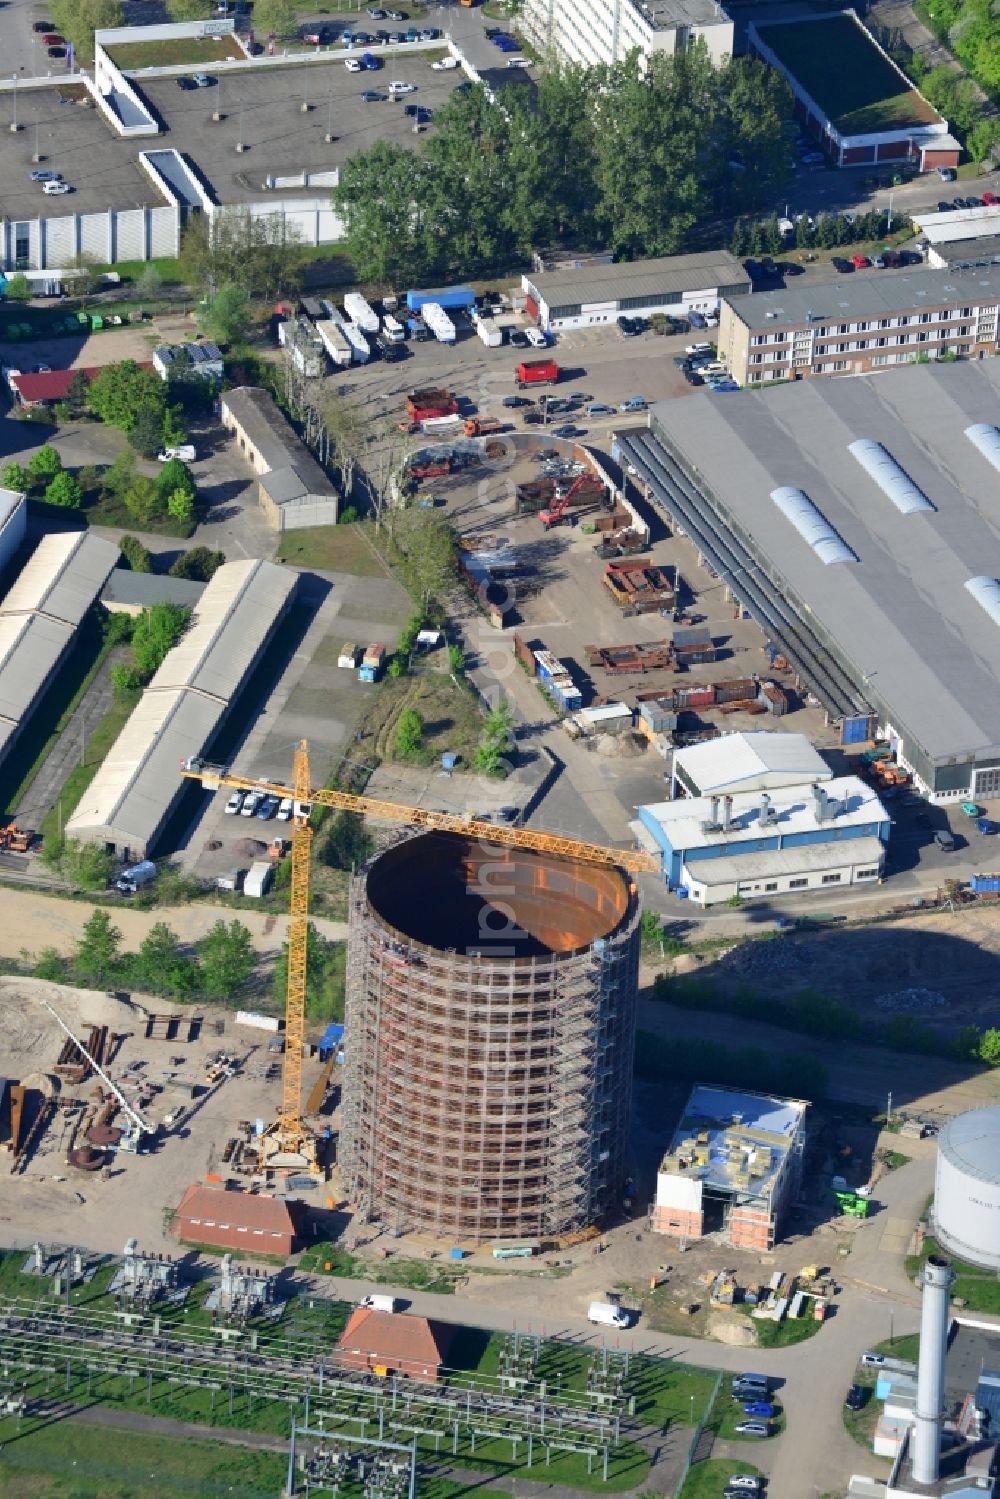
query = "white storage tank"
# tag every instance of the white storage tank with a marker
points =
(966, 1214)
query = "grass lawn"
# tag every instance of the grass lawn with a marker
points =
(342, 549)
(664, 1391)
(131, 270)
(707, 1480)
(415, 1275)
(835, 61)
(80, 776)
(451, 714)
(175, 51)
(978, 1288)
(905, 1347)
(783, 1334)
(70, 1460)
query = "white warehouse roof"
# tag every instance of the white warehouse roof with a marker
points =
(959, 223)
(62, 577)
(134, 792)
(749, 762)
(680, 824)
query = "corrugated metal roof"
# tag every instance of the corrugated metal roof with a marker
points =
(254, 411)
(880, 465)
(812, 525)
(30, 647)
(136, 788)
(11, 501)
(231, 621)
(62, 577)
(735, 758)
(986, 592)
(986, 438)
(142, 590)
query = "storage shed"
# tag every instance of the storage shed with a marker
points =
(292, 488)
(247, 1221)
(412, 1346)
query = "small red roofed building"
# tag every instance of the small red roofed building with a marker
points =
(247, 1222)
(412, 1346)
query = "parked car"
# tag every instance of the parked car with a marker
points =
(762, 1408)
(945, 841)
(699, 349)
(202, 80)
(40, 175)
(396, 15)
(990, 199)
(693, 378)
(187, 84)
(397, 86)
(56, 189)
(600, 409)
(268, 807)
(841, 266)
(372, 96)
(985, 826)
(947, 174)
(377, 14)
(352, 64)
(284, 811)
(872, 1360)
(443, 64)
(234, 804)
(369, 63)
(860, 262)
(41, 27)
(566, 430)
(748, 1482)
(519, 339)
(536, 338)
(634, 403)
(186, 453)
(251, 802)
(752, 1429)
(56, 52)
(857, 1397)
(53, 39)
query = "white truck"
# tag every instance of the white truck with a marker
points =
(606, 1314)
(392, 329)
(438, 321)
(131, 880)
(380, 1303)
(335, 342)
(360, 348)
(258, 879)
(489, 332)
(359, 312)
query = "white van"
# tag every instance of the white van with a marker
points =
(380, 1303)
(604, 1314)
(536, 338)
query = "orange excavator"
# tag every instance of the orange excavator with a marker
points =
(553, 516)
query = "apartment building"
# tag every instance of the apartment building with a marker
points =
(605, 31)
(859, 324)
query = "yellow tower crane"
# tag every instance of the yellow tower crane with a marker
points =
(288, 1144)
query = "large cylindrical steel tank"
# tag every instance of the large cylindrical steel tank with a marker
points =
(966, 1213)
(490, 1026)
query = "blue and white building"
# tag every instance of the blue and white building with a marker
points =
(766, 844)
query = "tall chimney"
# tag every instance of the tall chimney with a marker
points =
(765, 810)
(819, 798)
(714, 815)
(938, 1278)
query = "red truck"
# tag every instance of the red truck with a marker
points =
(537, 372)
(422, 404)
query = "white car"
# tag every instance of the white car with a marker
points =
(517, 62)
(234, 804)
(444, 63)
(745, 1481)
(253, 801)
(352, 64)
(698, 349)
(185, 453)
(284, 812)
(397, 86)
(56, 189)
(536, 338)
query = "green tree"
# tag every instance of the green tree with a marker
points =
(180, 506)
(348, 844)
(155, 632)
(124, 680)
(44, 463)
(143, 501)
(428, 547)
(120, 392)
(189, 10)
(161, 966)
(150, 282)
(49, 964)
(226, 315)
(227, 959)
(97, 953)
(174, 475)
(77, 20)
(199, 564)
(18, 289)
(119, 475)
(989, 1047)
(15, 477)
(145, 431)
(174, 426)
(381, 197)
(496, 741)
(138, 557)
(262, 254)
(409, 732)
(279, 16)
(77, 400)
(64, 490)
(325, 977)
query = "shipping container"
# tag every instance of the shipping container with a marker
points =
(360, 312)
(735, 690)
(441, 426)
(489, 333)
(548, 666)
(984, 884)
(524, 653)
(440, 324)
(421, 404)
(537, 372)
(856, 730)
(374, 653)
(360, 347)
(348, 656)
(453, 298)
(259, 877)
(335, 342)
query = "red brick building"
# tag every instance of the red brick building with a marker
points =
(246, 1222)
(394, 1343)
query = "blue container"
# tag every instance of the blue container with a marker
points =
(456, 1254)
(448, 761)
(448, 297)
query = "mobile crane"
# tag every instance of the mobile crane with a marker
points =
(554, 515)
(287, 1145)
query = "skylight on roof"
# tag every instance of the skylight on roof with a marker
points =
(879, 464)
(986, 592)
(812, 525)
(986, 437)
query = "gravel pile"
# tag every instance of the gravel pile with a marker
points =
(911, 999)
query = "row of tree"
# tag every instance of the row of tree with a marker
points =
(217, 967)
(826, 232)
(616, 156)
(152, 633)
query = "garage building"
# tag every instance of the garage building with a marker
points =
(961, 238)
(675, 285)
(40, 617)
(856, 521)
(293, 490)
(131, 799)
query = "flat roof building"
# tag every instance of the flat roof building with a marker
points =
(733, 1166)
(762, 844)
(856, 521)
(128, 592)
(40, 616)
(130, 801)
(292, 488)
(860, 323)
(746, 762)
(606, 31)
(672, 284)
(204, 360)
(850, 95)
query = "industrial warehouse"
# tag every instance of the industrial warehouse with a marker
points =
(40, 616)
(292, 488)
(675, 284)
(746, 762)
(734, 1166)
(130, 801)
(853, 519)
